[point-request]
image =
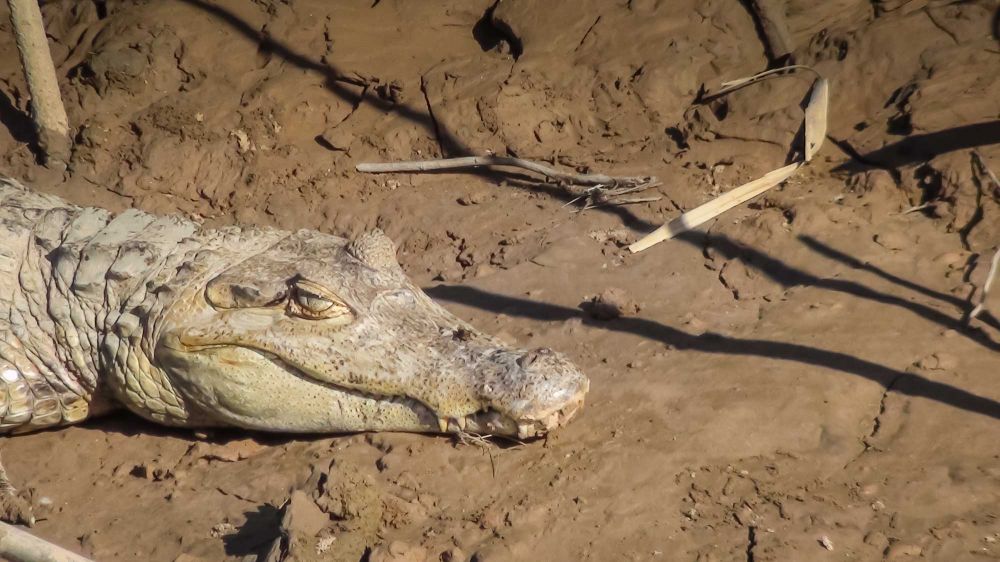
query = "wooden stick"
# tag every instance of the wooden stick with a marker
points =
(480, 161)
(47, 109)
(815, 132)
(732, 85)
(990, 275)
(715, 207)
(18, 545)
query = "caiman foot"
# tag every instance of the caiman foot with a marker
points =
(15, 507)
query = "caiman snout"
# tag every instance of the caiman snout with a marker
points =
(533, 391)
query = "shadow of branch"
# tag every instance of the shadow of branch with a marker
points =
(789, 276)
(726, 345)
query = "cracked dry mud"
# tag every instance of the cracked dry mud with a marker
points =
(797, 371)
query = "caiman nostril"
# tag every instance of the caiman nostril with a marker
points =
(530, 357)
(526, 360)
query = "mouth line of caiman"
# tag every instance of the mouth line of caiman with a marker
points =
(484, 422)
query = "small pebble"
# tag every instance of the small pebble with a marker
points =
(901, 550)
(877, 539)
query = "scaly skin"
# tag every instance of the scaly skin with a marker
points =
(248, 327)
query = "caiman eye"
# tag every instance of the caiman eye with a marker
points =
(311, 302)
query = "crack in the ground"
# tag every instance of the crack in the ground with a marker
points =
(587, 34)
(751, 542)
(722, 279)
(876, 421)
(430, 113)
(938, 25)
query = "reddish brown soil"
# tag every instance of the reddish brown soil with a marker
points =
(798, 369)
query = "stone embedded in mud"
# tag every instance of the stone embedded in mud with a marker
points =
(903, 550)
(610, 304)
(303, 516)
(232, 451)
(877, 539)
(398, 551)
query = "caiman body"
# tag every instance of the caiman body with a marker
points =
(248, 327)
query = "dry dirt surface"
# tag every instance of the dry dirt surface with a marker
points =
(796, 380)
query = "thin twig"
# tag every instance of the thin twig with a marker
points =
(466, 438)
(597, 189)
(620, 202)
(733, 85)
(915, 208)
(990, 275)
(481, 161)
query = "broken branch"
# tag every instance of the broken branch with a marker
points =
(47, 109)
(481, 161)
(597, 189)
(21, 546)
(990, 275)
(815, 132)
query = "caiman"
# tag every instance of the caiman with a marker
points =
(246, 327)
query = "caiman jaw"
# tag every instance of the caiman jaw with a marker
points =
(525, 415)
(348, 343)
(492, 422)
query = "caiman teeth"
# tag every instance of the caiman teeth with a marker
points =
(453, 425)
(525, 430)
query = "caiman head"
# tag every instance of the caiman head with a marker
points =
(318, 335)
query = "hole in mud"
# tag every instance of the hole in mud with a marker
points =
(102, 9)
(493, 35)
(929, 180)
(900, 125)
(83, 72)
(678, 137)
(720, 108)
(841, 49)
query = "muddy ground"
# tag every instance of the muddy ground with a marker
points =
(794, 381)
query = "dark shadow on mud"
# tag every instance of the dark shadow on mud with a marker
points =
(533, 184)
(726, 345)
(930, 314)
(20, 125)
(254, 538)
(338, 83)
(126, 423)
(789, 276)
(17, 122)
(917, 149)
